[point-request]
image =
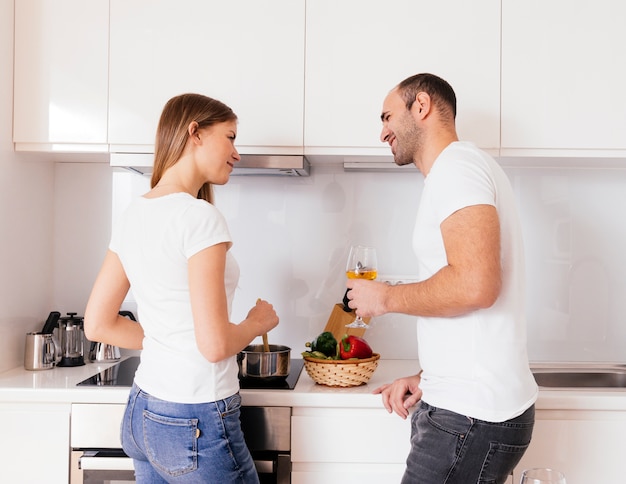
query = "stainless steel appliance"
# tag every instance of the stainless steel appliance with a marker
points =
(268, 434)
(104, 352)
(97, 457)
(72, 340)
(255, 362)
(39, 351)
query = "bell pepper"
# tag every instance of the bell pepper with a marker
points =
(325, 343)
(354, 347)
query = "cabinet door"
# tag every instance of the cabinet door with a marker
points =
(348, 446)
(347, 473)
(61, 75)
(248, 54)
(563, 78)
(358, 50)
(35, 443)
(335, 435)
(587, 446)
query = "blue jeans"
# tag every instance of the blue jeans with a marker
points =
(448, 448)
(186, 443)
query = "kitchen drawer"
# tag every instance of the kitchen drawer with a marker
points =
(339, 435)
(96, 426)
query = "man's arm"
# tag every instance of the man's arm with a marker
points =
(471, 280)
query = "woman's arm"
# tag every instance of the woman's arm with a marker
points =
(217, 338)
(102, 321)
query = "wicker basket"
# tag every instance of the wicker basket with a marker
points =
(341, 373)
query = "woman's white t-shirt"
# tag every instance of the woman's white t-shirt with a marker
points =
(154, 240)
(475, 364)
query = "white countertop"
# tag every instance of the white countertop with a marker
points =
(58, 385)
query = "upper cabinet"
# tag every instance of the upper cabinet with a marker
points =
(358, 50)
(61, 75)
(248, 54)
(532, 78)
(563, 78)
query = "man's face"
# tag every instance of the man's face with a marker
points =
(400, 129)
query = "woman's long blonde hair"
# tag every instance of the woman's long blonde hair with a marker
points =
(172, 131)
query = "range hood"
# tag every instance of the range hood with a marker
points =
(375, 164)
(265, 165)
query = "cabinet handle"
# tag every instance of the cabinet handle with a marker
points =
(106, 463)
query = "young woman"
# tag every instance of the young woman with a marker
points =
(172, 247)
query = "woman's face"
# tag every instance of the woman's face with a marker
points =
(217, 155)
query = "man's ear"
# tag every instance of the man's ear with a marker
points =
(422, 104)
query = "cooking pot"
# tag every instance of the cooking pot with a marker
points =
(254, 362)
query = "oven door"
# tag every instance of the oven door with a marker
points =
(109, 466)
(267, 431)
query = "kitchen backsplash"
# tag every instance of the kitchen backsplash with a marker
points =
(291, 240)
(291, 237)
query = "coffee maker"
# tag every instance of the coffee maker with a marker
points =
(71, 340)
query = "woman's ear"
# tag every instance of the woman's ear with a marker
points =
(194, 131)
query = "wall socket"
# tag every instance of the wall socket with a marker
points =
(395, 279)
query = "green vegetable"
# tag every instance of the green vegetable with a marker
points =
(326, 344)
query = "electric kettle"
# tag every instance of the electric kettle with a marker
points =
(105, 352)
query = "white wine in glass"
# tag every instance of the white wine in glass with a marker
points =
(542, 476)
(361, 264)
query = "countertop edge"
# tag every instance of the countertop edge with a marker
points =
(59, 386)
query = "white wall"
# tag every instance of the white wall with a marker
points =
(291, 237)
(26, 222)
(82, 226)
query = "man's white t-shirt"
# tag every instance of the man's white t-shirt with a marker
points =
(475, 364)
(154, 240)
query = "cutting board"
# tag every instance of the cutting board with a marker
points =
(337, 323)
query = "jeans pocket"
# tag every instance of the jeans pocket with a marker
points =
(500, 461)
(232, 405)
(171, 443)
(449, 422)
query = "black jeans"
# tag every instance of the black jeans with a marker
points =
(448, 448)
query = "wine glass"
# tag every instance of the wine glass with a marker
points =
(361, 265)
(542, 476)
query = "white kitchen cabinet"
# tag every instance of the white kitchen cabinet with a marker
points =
(248, 54)
(61, 75)
(563, 78)
(344, 446)
(34, 443)
(358, 50)
(587, 446)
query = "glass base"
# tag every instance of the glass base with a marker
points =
(357, 323)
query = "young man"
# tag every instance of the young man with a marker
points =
(476, 392)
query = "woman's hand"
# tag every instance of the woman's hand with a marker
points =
(401, 395)
(264, 316)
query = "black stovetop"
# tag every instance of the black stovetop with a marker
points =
(123, 373)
